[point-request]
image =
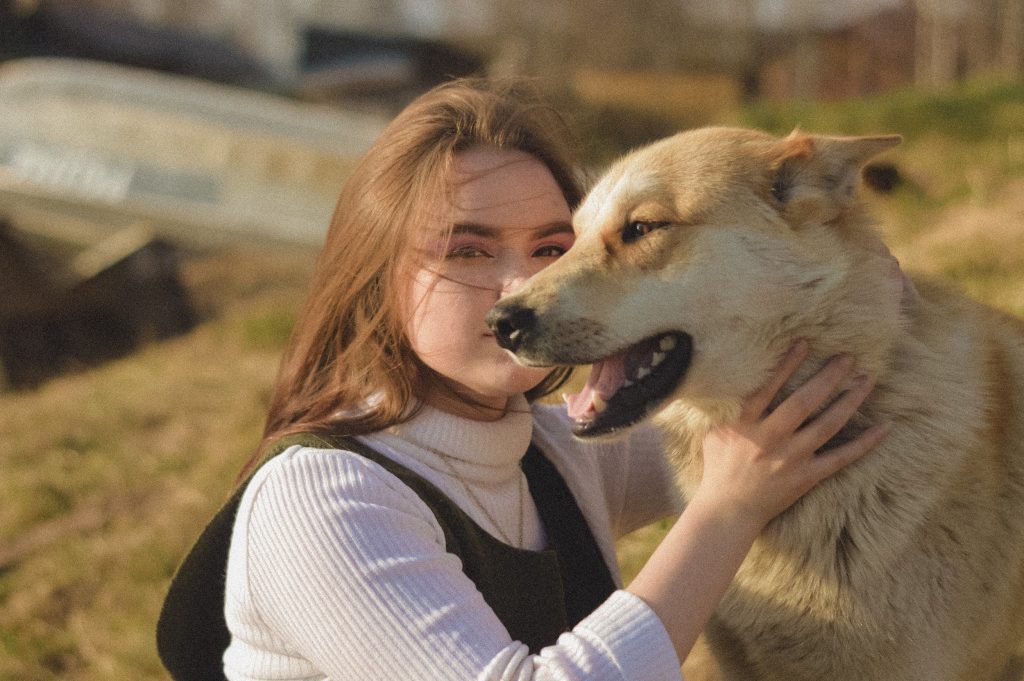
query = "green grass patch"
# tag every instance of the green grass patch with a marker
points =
(974, 113)
(268, 331)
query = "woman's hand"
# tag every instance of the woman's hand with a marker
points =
(756, 467)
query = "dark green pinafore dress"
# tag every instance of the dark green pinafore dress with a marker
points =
(537, 595)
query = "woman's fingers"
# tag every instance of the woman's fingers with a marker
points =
(806, 399)
(830, 461)
(756, 404)
(816, 433)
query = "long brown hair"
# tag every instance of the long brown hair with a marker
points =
(348, 368)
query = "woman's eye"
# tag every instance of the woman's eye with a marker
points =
(550, 251)
(637, 229)
(467, 252)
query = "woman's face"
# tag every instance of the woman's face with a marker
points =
(508, 220)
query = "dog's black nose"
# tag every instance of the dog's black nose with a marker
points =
(509, 323)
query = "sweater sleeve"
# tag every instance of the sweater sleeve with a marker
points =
(337, 568)
(648, 488)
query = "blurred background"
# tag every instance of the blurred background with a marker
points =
(168, 168)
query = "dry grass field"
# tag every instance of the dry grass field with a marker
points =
(107, 475)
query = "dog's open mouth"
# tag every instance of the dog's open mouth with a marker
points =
(623, 388)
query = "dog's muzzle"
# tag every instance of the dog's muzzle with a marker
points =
(622, 388)
(511, 324)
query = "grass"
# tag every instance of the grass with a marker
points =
(108, 474)
(974, 113)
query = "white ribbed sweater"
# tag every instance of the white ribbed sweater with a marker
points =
(337, 570)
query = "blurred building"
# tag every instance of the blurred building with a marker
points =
(765, 48)
(833, 50)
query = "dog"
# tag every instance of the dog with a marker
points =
(700, 259)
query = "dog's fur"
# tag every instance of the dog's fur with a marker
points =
(908, 564)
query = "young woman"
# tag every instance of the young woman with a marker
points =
(423, 517)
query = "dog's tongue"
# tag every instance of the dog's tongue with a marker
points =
(606, 377)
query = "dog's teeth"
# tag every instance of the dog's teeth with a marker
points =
(657, 358)
(565, 397)
(667, 343)
(627, 383)
(643, 372)
(599, 403)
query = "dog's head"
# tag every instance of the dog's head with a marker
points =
(698, 261)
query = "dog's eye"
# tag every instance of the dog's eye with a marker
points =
(638, 229)
(779, 191)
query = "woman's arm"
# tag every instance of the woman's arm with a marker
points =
(753, 470)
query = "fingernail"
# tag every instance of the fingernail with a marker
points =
(882, 429)
(799, 347)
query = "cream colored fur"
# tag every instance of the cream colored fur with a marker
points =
(908, 565)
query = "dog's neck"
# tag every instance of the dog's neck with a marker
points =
(868, 315)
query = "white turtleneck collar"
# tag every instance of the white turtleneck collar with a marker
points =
(484, 455)
(483, 452)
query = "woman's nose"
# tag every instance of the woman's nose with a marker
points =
(512, 283)
(515, 275)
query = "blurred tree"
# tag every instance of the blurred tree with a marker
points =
(958, 38)
(1010, 16)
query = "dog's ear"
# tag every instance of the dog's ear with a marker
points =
(816, 177)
